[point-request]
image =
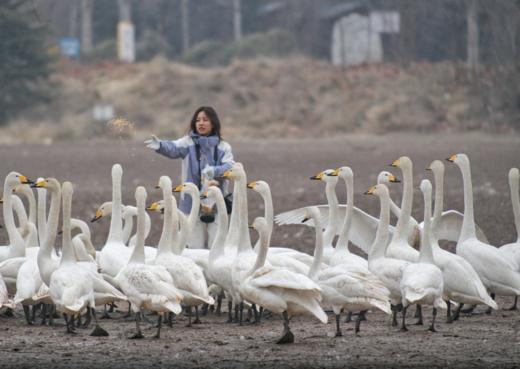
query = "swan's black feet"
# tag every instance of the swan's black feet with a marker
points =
(449, 320)
(488, 311)
(99, 332)
(136, 336)
(468, 310)
(339, 334)
(107, 316)
(8, 313)
(70, 330)
(432, 329)
(348, 319)
(197, 321)
(156, 336)
(288, 337)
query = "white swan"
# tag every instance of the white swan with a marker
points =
(496, 272)
(5, 301)
(422, 282)
(342, 255)
(25, 190)
(187, 277)
(82, 242)
(461, 282)
(114, 255)
(262, 188)
(399, 247)
(388, 270)
(280, 290)
(147, 286)
(343, 289)
(42, 213)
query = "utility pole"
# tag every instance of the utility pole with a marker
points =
(125, 10)
(185, 16)
(473, 41)
(86, 26)
(237, 20)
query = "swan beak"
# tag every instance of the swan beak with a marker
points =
(1, 200)
(334, 174)
(153, 207)
(226, 174)
(99, 215)
(204, 196)
(178, 188)
(60, 232)
(38, 184)
(251, 226)
(395, 163)
(25, 180)
(206, 209)
(371, 191)
(452, 158)
(394, 179)
(157, 187)
(318, 176)
(307, 218)
(251, 185)
(429, 167)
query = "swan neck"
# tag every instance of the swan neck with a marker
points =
(332, 199)
(342, 244)
(515, 200)
(268, 214)
(264, 238)
(116, 222)
(42, 216)
(426, 253)
(52, 225)
(67, 251)
(165, 242)
(17, 247)
(128, 225)
(438, 177)
(137, 256)
(468, 223)
(244, 238)
(406, 204)
(318, 248)
(217, 247)
(378, 248)
(232, 237)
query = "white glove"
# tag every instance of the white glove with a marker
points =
(208, 172)
(153, 143)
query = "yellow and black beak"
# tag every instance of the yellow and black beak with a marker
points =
(178, 188)
(429, 167)
(306, 219)
(153, 207)
(318, 176)
(204, 196)
(25, 180)
(1, 200)
(394, 179)
(226, 174)
(251, 226)
(371, 191)
(99, 215)
(335, 173)
(395, 163)
(39, 184)
(452, 158)
(251, 185)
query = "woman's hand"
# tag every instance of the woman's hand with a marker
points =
(208, 172)
(153, 143)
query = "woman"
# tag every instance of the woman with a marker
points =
(205, 155)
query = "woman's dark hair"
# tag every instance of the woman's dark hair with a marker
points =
(213, 117)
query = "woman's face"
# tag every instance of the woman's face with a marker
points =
(203, 124)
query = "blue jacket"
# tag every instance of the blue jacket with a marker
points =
(185, 148)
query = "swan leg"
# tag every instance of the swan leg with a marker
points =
(26, 311)
(44, 315)
(241, 313)
(403, 322)
(338, 329)
(256, 315)
(159, 324)
(138, 334)
(418, 313)
(171, 317)
(260, 314)
(197, 320)
(98, 331)
(219, 303)
(489, 310)
(360, 318)
(189, 316)
(249, 315)
(8, 313)
(513, 308)
(449, 319)
(288, 336)
(469, 310)
(237, 307)
(230, 312)
(204, 310)
(394, 315)
(69, 322)
(349, 317)
(432, 326)
(105, 313)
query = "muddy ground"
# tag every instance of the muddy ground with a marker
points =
(476, 341)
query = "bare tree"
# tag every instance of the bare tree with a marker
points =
(237, 20)
(185, 15)
(86, 26)
(473, 40)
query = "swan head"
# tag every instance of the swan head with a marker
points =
(48, 183)
(14, 179)
(342, 172)
(66, 189)
(212, 192)
(436, 166)
(155, 207)
(403, 162)
(236, 172)
(164, 182)
(387, 177)
(187, 187)
(104, 210)
(140, 197)
(426, 186)
(378, 190)
(260, 225)
(23, 189)
(117, 171)
(514, 174)
(311, 212)
(261, 187)
(325, 176)
(458, 159)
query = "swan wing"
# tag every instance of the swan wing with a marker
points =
(282, 278)
(450, 225)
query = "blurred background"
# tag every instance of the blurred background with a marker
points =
(69, 69)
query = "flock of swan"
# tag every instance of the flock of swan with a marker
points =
(169, 277)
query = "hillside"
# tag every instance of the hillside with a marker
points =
(294, 97)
